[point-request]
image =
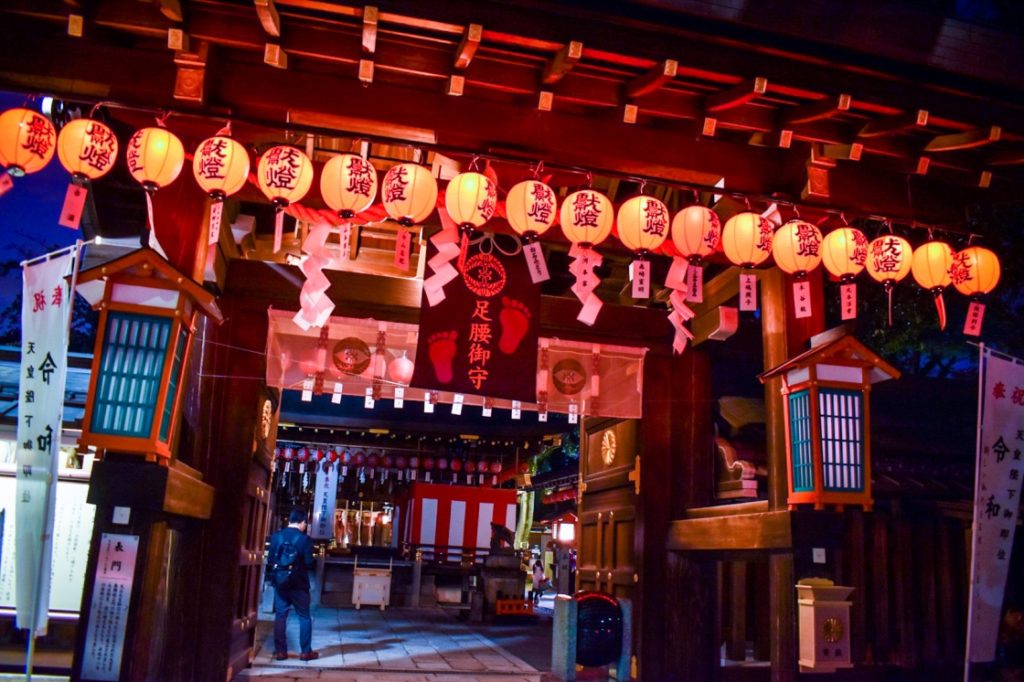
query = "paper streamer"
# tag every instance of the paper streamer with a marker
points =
(678, 279)
(975, 315)
(584, 261)
(315, 306)
(278, 228)
(447, 243)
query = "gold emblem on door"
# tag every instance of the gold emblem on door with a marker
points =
(608, 445)
(832, 630)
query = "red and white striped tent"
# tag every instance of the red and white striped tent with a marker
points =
(453, 519)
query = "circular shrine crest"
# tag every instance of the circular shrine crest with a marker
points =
(569, 376)
(351, 355)
(484, 275)
(832, 630)
(609, 446)
(266, 419)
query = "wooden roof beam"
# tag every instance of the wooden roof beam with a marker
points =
(562, 62)
(968, 139)
(647, 83)
(467, 48)
(894, 124)
(1006, 157)
(826, 107)
(266, 10)
(735, 96)
(370, 29)
(781, 137)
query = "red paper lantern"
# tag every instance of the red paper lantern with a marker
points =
(346, 457)
(496, 466)
(401, 462)
(373, 460)
(359, 458)
(414, 462)
(456, 465)
(441, 463)
(386, 461)
(302, 455)
(470, 466)
(428, 463)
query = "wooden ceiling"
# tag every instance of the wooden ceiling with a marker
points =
(617, 94)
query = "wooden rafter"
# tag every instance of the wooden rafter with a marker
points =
(467, 48)
(781, 137)
(1006, 157)
(817, 110)
(369, 29)
(735, 96)
(968, 139)
(647, 83)
(894, 124)
(562, 62)
(266, 10)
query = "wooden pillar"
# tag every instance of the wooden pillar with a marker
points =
(880, 588)
(857, 556)
(736, 647)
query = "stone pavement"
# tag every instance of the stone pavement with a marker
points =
(397, 645)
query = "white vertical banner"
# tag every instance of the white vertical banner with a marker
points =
(324, 501)
(45, 306)
(996, 497)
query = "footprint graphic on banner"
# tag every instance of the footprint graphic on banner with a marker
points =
(442, 351)
(515, 322)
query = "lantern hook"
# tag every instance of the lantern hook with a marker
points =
(162, 116)
(590, 179)
(226, 130)
(474, 163)
(746, 200)
(643, 185)
(796, 211)
(696, 195)
(538, 169)
(842, 216)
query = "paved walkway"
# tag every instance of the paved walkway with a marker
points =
(397, 645)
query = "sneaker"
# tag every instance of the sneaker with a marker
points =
(280, 656)
(309, 655)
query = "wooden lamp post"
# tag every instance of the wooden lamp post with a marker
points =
(147, 312)
(826, 397)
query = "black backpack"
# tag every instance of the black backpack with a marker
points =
(283, 566)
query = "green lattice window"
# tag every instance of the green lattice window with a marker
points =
(172, 386)
(801, 447)
(842, 439)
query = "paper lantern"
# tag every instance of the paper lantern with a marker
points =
(284, 174)
(930, 266)
(796, 247)
(348, 184)
(87, 149)
(471, 199)
(889, 259)
(747, 239)
(587, 217)
(400, 369)
(27, 139)
(844, 252)
(409, 193)
(975, 272)
(643, 225)
(221, 167)
(155, 157)
(696, 232)
(530, 208)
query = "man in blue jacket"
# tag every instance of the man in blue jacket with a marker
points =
(290, 558)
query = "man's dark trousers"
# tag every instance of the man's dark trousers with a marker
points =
(299, 599)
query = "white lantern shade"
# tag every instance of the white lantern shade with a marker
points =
(844, 252)
(889, 258)
(930, 265)
(471, 199)
(587, 217)
(27, 140)
(643, 223)
(348, 184)
(284, 174)
(409, 193)
(400, 369)
(221, 166)
(87, 148)
(155, 157)
(531, 207)
(747, 239)
(975, 271)
(696, 232)
(796, 247)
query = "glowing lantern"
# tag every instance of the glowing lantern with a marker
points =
(348, 184)
(495, 470)
(643, 224)
(221, 167)
(284, 174)
(747, 242)
(889, 261)
(530, 209)
(456, 467)
(471, 199)
(26, 141)
(844, 253)
(428, 466)
(796, 247)
(586, 219)
(409, 193)
(400, 369)
(87, 149)
(975, 272)
(155, 157)
(696, 233)
(930, 266)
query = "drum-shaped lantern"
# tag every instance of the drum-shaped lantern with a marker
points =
(587, 217)
(220, 166)
(747, 239)
(975, 271)
(889, 259)
(409, 193)
(87, 148)
(530, 208)
(643, 223)
(844, 252)
(930, 265)
(284, 174)
(155, 157)
(470, 199)
(696, 232)
(27, 139)
(348, 184)
(796, 247)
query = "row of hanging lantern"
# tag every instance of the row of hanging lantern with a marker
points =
(382, 464)
(88, 148)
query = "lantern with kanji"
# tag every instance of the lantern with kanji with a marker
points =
(826, 402)
(409, 193)
(930, 266)
(696, 233)
(221, 167)
(27, 140)
(87, 149)
(348, 185)
(747, 242)
(586, 220)
(495, 470)
(796, 248)
(148, 311)
(643, 225)
(470, 199)
(975, 272)
(284, 174)
(844, 253)
(530, 208)
(889, 261)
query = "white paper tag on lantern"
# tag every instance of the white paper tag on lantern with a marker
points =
(640, 273)
(517, 409)
(6, 183)
(574, 413)
(307, 389)
(336, 396)
(487, 410)
(399, 397)
(345, 240)
(368, 401)
(403, 249)
(975, 315)
(542, 416)
(74, 204)
(748, 292)
(535, 262)
(848, 300)
(802, 299)
(428, 405)
(457, 402)
(216, 214)
(695, 284)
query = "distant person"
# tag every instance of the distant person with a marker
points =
(539, 581)
(290, 558)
